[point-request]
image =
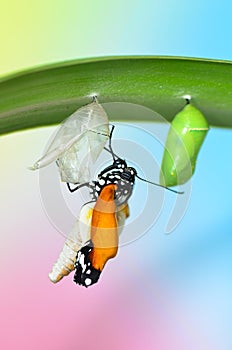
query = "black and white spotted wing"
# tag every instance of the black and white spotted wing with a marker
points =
(85, 273)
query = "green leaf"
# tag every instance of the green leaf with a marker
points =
(47, 95)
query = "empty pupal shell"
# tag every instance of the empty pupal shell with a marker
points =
(78, 142)
(78, 236)
(186, 135)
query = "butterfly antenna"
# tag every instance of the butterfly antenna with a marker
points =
(155, 184)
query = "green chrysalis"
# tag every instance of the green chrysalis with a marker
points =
(186, 135)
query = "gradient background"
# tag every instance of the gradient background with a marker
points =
(161, 292)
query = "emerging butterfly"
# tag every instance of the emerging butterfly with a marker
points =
(103, 244)
(79, 235)
(111, 193)
(94, 238)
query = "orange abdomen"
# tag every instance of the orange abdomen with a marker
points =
(104, 228)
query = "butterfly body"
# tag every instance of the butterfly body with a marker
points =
(103, 245)
(118, 174)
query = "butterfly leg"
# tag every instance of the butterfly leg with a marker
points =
(110, 150)
(87, 184)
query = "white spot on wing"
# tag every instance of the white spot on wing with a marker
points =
(88, 281)
(82, 262)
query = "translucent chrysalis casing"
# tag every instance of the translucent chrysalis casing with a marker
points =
(78, 142)
(185, 137)
(78, 236)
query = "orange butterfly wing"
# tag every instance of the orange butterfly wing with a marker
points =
(104, 228)
(103, 245)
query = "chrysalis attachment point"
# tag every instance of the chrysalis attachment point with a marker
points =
(187, 98)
